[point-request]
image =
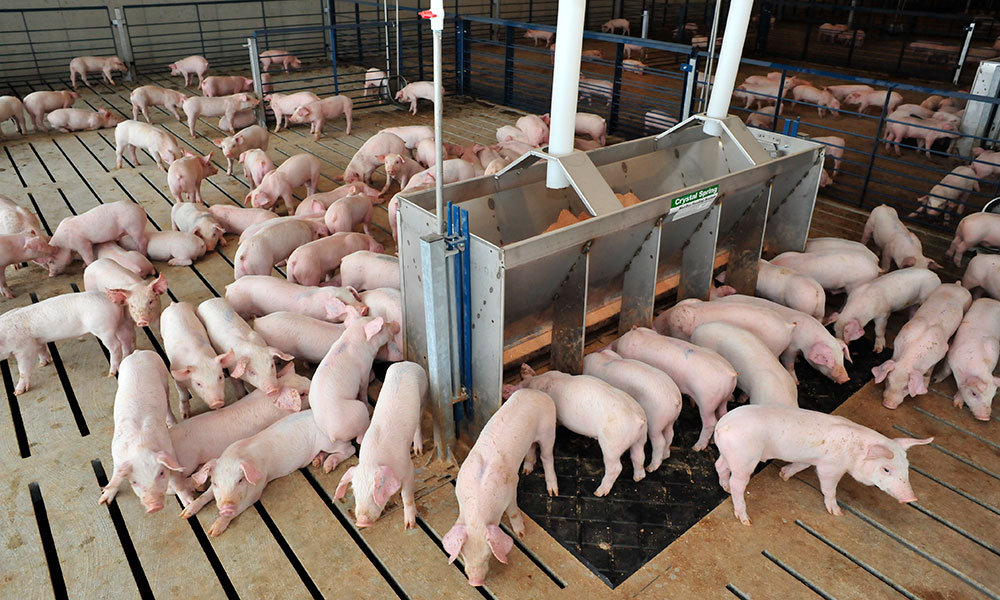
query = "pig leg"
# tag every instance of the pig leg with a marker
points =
(789, 470)
(135, 158)
(343, 450)
(230, 115)
(418, 441)
(114, 346)
(737, 486)
(409, 503)
(229, 166)
(220, 525)
(44, 357)
(173, 111)
(788, 361)
(612, 466)
(708, 421)
(135, 113)
(413, 106)
(191, 119)
(828, 480)
(184, 399)
(515, 517)
(25, 358)
(656, 456)
(109, 491)
(638, 454)
(348, 114)
(880, 324)
(4, 289)
(722, 468)
(193, 507)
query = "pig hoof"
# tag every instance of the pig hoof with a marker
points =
(601, 492)
(553, 491)
(639, 475)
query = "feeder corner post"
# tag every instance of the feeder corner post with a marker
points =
(258, 84)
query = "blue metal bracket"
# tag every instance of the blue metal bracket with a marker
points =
(457, 243)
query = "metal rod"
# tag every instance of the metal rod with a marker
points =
(258, 84)
(711, 53)
(645, 24)
(437, 25)
(970, 30)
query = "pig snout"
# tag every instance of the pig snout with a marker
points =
(982, 416)
(227, 509)
(477, 581)
(152, 505)
(363, 521)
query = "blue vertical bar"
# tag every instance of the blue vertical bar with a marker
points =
(451, 227)
(459, 55)
(466, 309)
(508, 65)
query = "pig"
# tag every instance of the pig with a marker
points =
(805, 438)
(256, 164)
(629, 49)
(877, 98)
(297, 170)
(272, 246)
(198, 106)
(206, 436)
(760, 376)
(595, 89)
(765, 93)
(11, 109)
(536, 36)
(384, 466)
(235, 219)
(160, 144)
(791, 288)
(975, 229)
(185, 175)
(486, 486)
(266, 86)
(256, 295)
(614, 25)
(194, 364)
(77, 119)
(987, 163)
(130, 259)
(104, 223)
(699, 373)
(683, 318)
(972, 358)
(509, 132)
(313, 262)
(25, 331)
(243, 118)
(492, 168)
(534, 128)
(950, 118)
(234, 146)
(17, 219)
(195, 218)
(81, 65)
(192, 65)
(932, 102)
(286, 59)
(828, 32)
(16, 248)
(319, 112)
(822, 99)
(399, 167)
(922, 343)
(254, 359)
(841, 92)
(141, 447)
(415, 91)
(318, 203)
(426, 152)
(176, 248)
(370, 156)
(588, 406)
(835, 271)
(226, 85)
(345, 214)
(950, 195)
(141, 299)
(38, 104)
(373, 80)
(653, 389)
(152, 95)
(367, 270)
(455, 169)
(763, 118)
(878, 299)
(591, 54)
(388, 304)
(512, 150)
(835, 147)
(925, 132)
(634, 66)
(284, 105)
(339, 390)
(913, 110)
(899, 245)
(305, 338)
(245, 467)
(983, 272)
(835, 244)
(411, 134)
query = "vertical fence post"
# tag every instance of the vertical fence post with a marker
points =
(874, 152)
(258, 84)
(467, 57)
(460, 55)
(331, 9)
(357, 31)
(263, 20)
(201, 32)
(777, 101)
(681, 21)
(420, 49)
(616, 88)
(125, 43)
(508, 65)
(31, 45)
(809, 26)
(333, 61)
(690, 85)
(764, 29)
(531, 11)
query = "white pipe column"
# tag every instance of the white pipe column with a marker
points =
(565, 86)
(437, 26)
(729, 63)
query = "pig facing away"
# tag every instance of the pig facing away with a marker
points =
(487, 482)
(805, 438)
(384, 466)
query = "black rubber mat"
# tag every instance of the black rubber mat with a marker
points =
(615, 535)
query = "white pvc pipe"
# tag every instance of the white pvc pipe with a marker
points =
(729, 63)
(437, 25)
(565, 86)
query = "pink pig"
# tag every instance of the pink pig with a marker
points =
(284, 105)
(805, 438)
(384, 466)
(898, 244)
(487, 482)
(305, 338)
(412, 135)
(982, 274)
(272, 246)
(194, 363)
(228, 106)
(141, 299)
(78, 119)
(373, 80)
(987, 163)
(192, 65)
(225, 85)
(370, 156)
(12, 109)
(235, 219)
(313, 262)
(683, 318)
(319, 112)
(316, 204)
(38, 104)
(366, 270)
(177, 248)
(16, 248)
(415, 91)
(105, 223)
(141, 448)
(345, 214)
(975, 229)
(130, 259)
(240, 474)
(234, 146)
(185, 175)
(255, 295)
(455, 169)
(791, 288)
(399, 167)
(699, 373)
(196, 219)
(973, 357)
(588, 124)
(877, 98)
(14, 218)
(81, 65)
(151, 95)
(243, 118)
(339, 390)
(297, 170)
(256, 164)
(284, 58)
(835, 271)
(535, 129)
(655, 392)
(387, 303)
(922, 343)
(160, 144)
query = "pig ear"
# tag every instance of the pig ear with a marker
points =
(238, 139)
(908, 443)
(288, 399)
(508, 390)
(853, 330)
(288, 369)
(282, 355)
(226, 360)
(933, 265)
(916, 384)
(344, 482)
(186, 153)
(877, 451)
(386, 484)
(354, 293)
(201, 475)
(527, 371)
(373, 327)
(181, 373)
(847, 353)
(252, 474)
(218, 142)
(118, 296)
(159, 285)
(909, 261)
(500, 543)
(206, 159)
(236, 371)
(168, 461)
(882, 370)
(453, 541)
(335, 307)
(832, 318)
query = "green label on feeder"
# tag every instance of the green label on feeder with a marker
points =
(687, 204)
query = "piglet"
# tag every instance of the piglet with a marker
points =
(12, 109)
(836, 244)
(388, 304)
(160, 144)
(240, 474)
(177, 248)
(760, 375)
(256, 295)
(141, 447)
(104, 223)
(38, 104)
(192, 65)
(791, 288)
(305, 338)
(81, 65)
(699, 373)
(399, 167)
(273, 245)
(319, 112)
(370, 156)
(16, 248)
(487, 482)
(373, 80)
(415, 91)
(588, 406)
(284, 105)
(975, 229)
(411, 135)
(226, 85)
(78, 119)
(983, 274)
(318, 203)
(339, 390)
(241, 119)
(366, 270)
(864, 99)
(898, 244)
(297, 170)
(314, 262)
(347, 213)
(922, 343)
(141, 298)
(972, 358)
(185, 175)
(455, 169)
(256, 164)
(130, 259)
(806, 438)
(153, 95)
(235, 219)
(196, 219)
(194, 363)
(834, 270)
(228, 106)
(286, 59)
(233, 146)
(14, 218)
(683, 318)
(384, 466)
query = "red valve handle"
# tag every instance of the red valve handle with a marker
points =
(426, 14)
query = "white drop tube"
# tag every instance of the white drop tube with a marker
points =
(437, 25)
(729, 63)
(565, 86)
